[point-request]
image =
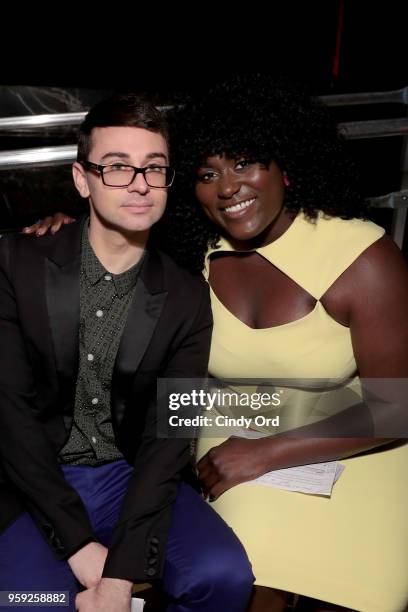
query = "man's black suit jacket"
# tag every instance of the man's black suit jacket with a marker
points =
(167, 334)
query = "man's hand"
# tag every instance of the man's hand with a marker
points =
(234, 461)
(110, 595)
(87, 564)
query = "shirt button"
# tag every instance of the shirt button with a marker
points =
(90, 357)
(93, 439)
(108, 277)
(95, 400)
(99, 313)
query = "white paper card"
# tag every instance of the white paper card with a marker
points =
(314, 478)
(137, 604)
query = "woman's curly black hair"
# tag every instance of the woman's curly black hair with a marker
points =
(266, 120)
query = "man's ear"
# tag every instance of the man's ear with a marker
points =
(80, 179)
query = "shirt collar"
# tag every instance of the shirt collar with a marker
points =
(95, 272)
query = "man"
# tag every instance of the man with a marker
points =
(88, 320)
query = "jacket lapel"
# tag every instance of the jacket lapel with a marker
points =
(62, 273)
(148, 301)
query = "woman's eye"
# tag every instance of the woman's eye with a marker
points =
(206, 177)
(244, 164)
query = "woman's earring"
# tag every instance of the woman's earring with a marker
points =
(286, 181)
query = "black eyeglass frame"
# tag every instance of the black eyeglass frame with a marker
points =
(101, 167)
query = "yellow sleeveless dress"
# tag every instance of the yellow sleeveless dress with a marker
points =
(350, 549)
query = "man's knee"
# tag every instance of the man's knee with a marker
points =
(230, 575)
(223, 578)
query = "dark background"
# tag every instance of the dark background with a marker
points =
(178, 47)
(173, 50)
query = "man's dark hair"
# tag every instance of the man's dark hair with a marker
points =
(121, 110)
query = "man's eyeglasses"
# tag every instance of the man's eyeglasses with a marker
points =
(122, 175)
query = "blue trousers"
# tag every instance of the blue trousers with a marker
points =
(206, 567)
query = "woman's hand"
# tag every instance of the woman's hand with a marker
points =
(234, 461)
(49, 224)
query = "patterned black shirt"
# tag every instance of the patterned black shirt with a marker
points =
(104, 304)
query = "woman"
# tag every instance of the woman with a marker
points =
(302, 288)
